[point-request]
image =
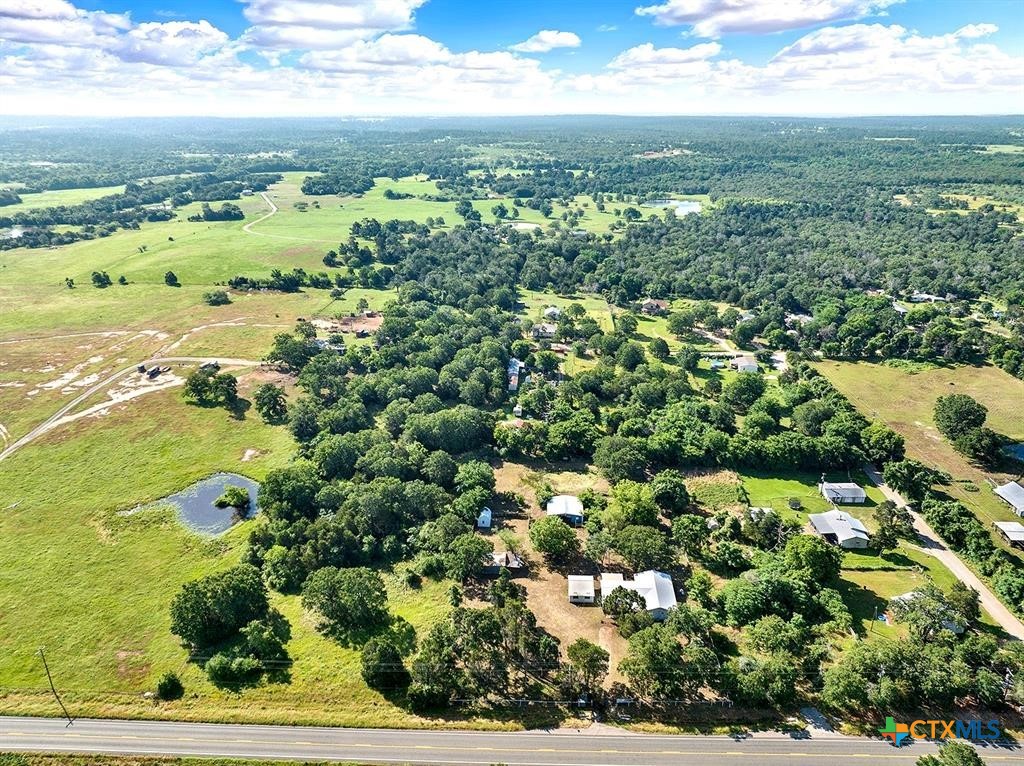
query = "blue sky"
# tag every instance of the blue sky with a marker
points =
(370, 57)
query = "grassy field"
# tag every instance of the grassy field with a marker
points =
(60, 197)
(905, 401)
(533, 303)
(96, 588)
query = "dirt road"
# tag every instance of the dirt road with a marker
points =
(932, 545)
(54, 419)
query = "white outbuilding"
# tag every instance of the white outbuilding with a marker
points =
(840, 529)
(842, 492)
(581, 589)
(568, 508)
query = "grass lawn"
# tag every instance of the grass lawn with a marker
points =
(773, 490)
(94, 586)
(905, 400)
(533, 303)
(60, 197)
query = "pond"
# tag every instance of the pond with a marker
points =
(682, 206)
(1016, 451)
(196, 505)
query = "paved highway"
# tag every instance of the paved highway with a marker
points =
(606, 747)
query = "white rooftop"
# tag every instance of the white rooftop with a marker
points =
(842, 489)
(581, 585)
(1013, 493)
(1013, 530)
(655, 587)
(842, 525)
(565, 505)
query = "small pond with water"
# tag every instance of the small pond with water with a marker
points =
(196, 504)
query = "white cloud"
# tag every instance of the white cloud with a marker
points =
(647, 56)
(324, 24)
(607, 28)
(713, 18)
(546, 40)
(60, 24)
(173, 43)
(56, 58)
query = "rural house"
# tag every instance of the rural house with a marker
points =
(654, 307)
(544, 331)
(842, 492)
(840, 529)
(744, 364)
(516, 370)
(581, 589)
(553, 312)
(655, 587)
(568, 508)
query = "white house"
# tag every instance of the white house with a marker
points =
(744, 364)
(566, 507)
(840, 529)
(581, 589)
(483, 521)
(655, 587)
(1013, 493)
(842, 492)
(552, 312)
(907, 599)
(654, 307)
(925, 298)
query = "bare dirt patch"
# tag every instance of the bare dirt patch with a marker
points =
(368, 323)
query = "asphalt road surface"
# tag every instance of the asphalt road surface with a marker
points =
(436, 748)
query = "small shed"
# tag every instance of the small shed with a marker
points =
(745, 364)
(581, 589)
(568, 508)
(1012, 531)
(483, 521)
(843, 492)
(495, 562)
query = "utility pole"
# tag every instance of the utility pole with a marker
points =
(53, 688)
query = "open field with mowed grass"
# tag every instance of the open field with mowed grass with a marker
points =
(905, 400)
(59, 197)
(93, 584)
